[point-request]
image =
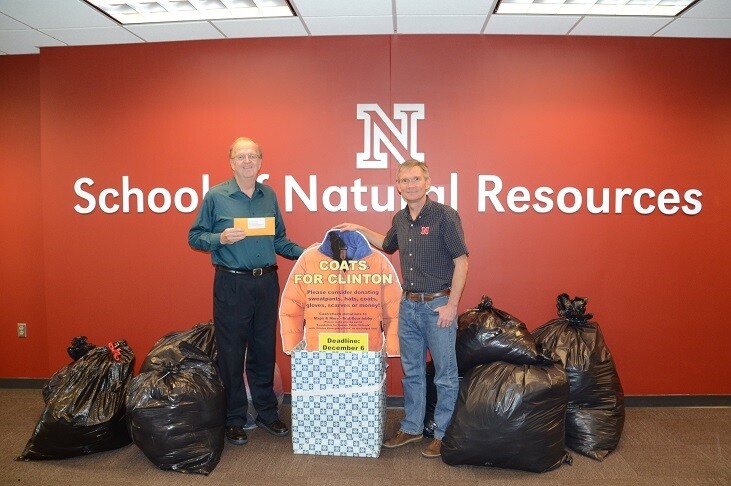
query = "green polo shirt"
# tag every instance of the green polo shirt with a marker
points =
(220, 206)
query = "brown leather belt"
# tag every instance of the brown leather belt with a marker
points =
(257, 272)
(425, 297)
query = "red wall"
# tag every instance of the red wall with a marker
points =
(21, 225)
(533, 111)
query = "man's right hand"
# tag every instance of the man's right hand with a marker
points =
(232, 235)
(348, 227)
(375, 239)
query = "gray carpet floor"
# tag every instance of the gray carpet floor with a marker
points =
(662, 446)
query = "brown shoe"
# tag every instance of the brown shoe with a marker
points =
(433, 450)
(401, 439)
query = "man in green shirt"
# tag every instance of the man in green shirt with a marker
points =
(246, 285)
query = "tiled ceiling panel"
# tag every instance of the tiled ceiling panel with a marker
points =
(54, 14)
(442, 7)
(531, 24)
(371, 25)
(175, 32)
(689, 27)
(343, 8)
(440, 24)
(709, 9)
(27, 25)
(620, 26)
(25, 41)
(279, 27)
(93, 36)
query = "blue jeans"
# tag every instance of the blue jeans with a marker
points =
(417, 331)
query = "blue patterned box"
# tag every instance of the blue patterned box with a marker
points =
(338, 402)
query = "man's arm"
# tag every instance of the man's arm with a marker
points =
(448, 312)
(201, 235)
(283, 245)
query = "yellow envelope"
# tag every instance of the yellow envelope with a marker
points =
(256, 226)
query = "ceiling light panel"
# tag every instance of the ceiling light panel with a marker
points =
(145, 12)
(654, 8)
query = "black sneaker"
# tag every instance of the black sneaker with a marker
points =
(236, 435)
(277, 427)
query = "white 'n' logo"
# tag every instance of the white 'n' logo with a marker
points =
(372, 156)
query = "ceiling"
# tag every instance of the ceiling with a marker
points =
(27, 25)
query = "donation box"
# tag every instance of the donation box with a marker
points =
(339, 318)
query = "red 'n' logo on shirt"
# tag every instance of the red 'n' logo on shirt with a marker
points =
(424, 230)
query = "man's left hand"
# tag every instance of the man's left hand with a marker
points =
(447, 314)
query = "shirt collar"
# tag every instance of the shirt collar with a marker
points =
(231, 187)
(425, 209)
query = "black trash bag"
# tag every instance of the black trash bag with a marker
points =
(79, 347)
(431, 400)
(53, 382)
(84, 412)
(510, 416)
(595, 415)
(201, 336)
(487, 334)
(176, 411)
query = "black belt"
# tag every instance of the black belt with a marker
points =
(257, 272)
(423, 296)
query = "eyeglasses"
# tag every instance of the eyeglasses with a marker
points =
(251, 157)
(406, 180)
